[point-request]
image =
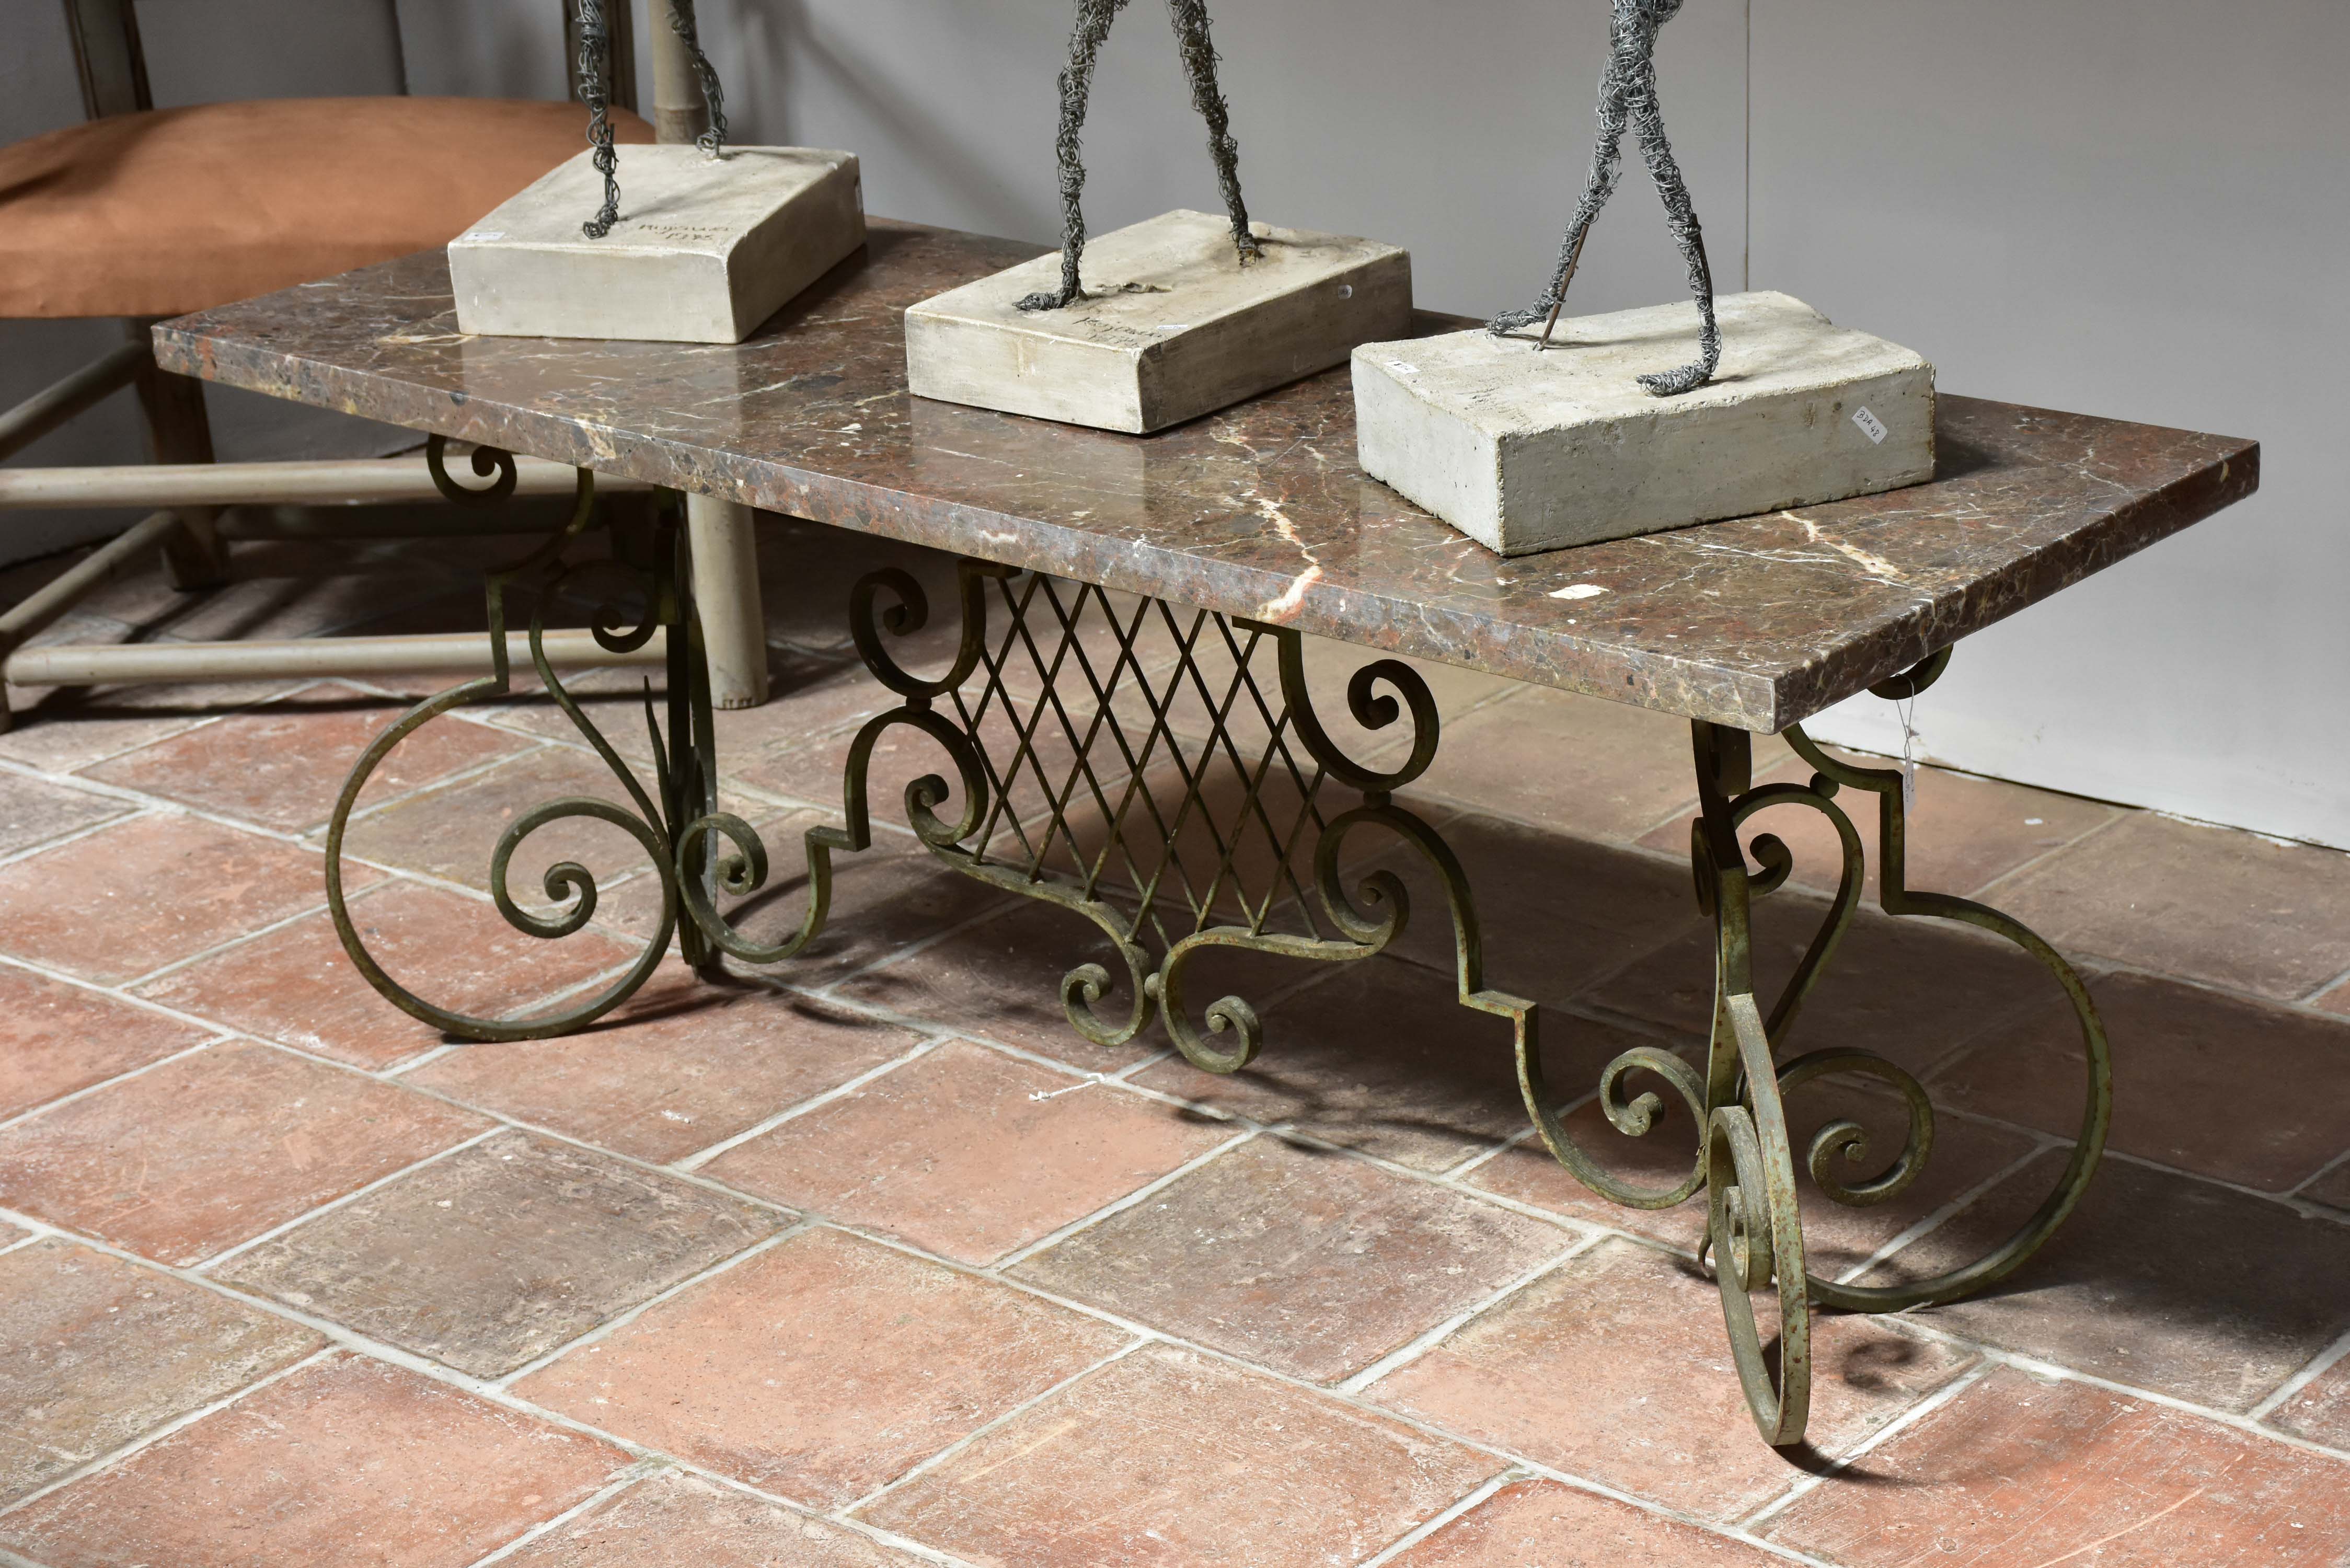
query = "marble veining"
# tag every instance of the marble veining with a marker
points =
(1260, 510)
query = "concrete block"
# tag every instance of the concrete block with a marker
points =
(1526, 452)
(705, 248)
(1173, 326)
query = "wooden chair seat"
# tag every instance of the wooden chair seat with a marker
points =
(169, 211)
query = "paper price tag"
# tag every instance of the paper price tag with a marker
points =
(1871, 426)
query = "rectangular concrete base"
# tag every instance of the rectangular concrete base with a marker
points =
(1171, 326)
(705, 248)
(1524, 451)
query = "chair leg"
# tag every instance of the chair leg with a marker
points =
(179, 432)
(724, 548)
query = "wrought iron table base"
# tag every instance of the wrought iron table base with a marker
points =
(1179, 810)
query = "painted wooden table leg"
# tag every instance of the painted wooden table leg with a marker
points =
(726, 591)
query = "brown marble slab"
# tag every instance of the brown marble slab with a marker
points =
(1259, 511)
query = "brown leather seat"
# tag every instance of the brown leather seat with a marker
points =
(174, 210)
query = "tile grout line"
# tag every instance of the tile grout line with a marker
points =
(1732, 1531)
(86, 1090)
(687, 1164)
(1930, 1224)
(1419, 1345)
(631, 1476)
(1763, 1516)
(922, 1466)
(799, 1225)
(1136, 1198)
(1464, 1504)
(2318, 1366)
(229, 1254)
(155, 1435)
(2015, 874)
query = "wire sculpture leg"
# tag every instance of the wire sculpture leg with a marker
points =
(1190, 19)
(1199, 52)
(1094, 20)
(595, 77)
(1681, 216)
(680, 20)
(1627, 95)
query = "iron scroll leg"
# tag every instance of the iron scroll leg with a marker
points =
(673, 816)
(1746, 1163)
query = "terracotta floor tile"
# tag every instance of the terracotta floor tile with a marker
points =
(814, 772)
(2160, 1282)
(1964, 833)
(284, 766)
(1313, 1264)
(1165, 1457)
(2208, 903)
(2332, 1188)
(672, 1519)
(95, 1350)
(809, 696)
(630, 907)
(1001, 980)
(821, 1368)
(66, 727)
(134, 896)
(2320, 1409)
(1556, 912)
(2015, 1473)
(499, 1253)
(296, 985)
(684, 1065)
(1617, 1367)
(1560, 1527)
(2180, 1058)
(1836, 1238)
(56, 1037)
(343, 1463)
(1382, 1057)
(1914, 989)
(34, 810)
(451, 832)
(276, 588)
(1575, 764)
(968, 1153)
(882, 901)
(202, 1152)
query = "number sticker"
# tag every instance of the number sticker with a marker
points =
(1871, 426)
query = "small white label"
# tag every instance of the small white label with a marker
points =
(487, 234)
(1403, 367)
(1577, 591)
(1870, 425)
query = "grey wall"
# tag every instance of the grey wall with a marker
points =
(2134, 210)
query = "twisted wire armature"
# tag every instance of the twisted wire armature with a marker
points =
(681, 19)
(1199, 53)
(1628, 93)
(594, 71)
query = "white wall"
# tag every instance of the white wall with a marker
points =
(2132, 210)
(2139, 211)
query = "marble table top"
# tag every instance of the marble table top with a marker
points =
(1260, 511)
